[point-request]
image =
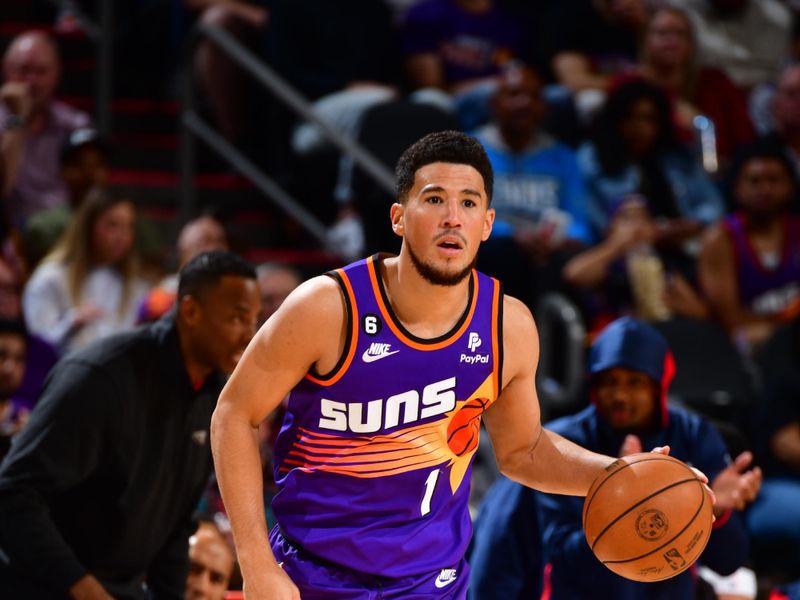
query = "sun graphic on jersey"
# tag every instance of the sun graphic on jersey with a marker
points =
(450, 441)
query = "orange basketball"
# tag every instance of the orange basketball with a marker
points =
(647, 517)
(464, 429)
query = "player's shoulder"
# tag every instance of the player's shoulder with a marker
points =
(516, 314)
(321, 295)
(519, 327)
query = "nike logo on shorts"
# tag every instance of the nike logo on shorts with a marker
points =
(445, 578)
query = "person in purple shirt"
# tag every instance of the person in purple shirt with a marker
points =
(40, 355)
(749, 266)
(459, 47)
(33, 126)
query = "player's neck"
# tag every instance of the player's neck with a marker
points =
(425, 309)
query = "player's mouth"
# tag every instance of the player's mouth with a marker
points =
(450, 245)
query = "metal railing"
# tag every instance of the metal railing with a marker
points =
(554, 314)
(193, 126)
(102, 35)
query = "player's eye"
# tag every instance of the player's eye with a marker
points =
(469, 203)
(433, 200)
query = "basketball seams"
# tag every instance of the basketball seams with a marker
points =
(612, 542)
(590, 498)
(672, 539)
(639, 503)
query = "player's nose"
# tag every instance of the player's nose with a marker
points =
(452, 216)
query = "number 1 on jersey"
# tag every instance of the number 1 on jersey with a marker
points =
(430, 485)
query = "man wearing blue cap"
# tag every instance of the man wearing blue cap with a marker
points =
(630, 369)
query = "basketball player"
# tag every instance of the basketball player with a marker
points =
(390, 362)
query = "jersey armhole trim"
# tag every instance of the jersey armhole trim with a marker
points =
(348, 350)
(497, 334)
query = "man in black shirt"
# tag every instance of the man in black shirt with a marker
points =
(97, 493)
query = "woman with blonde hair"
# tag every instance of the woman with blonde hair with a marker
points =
(669, 60)
(91, 284)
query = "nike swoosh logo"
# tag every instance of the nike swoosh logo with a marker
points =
(443, 583)
(368, 358)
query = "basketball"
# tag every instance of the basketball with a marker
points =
(464, 429)
(647, 517)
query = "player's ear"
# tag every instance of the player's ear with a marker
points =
(487, 224)
(396, 214)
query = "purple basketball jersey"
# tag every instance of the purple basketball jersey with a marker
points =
(373, 459)
(766, 291)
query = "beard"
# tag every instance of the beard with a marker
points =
(437, 277)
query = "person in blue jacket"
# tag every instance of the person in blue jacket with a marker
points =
(539, 193)
(630, 369)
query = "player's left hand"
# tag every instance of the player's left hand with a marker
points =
(736, 486)
(700, 475)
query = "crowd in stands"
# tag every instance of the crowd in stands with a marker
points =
(646, 157)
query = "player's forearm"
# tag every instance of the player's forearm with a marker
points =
(237, 462)
(558, 466)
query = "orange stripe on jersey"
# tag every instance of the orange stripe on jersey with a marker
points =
(496, 337)
(388, 318)
(336, 376)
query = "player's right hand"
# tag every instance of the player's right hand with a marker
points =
(271, 584)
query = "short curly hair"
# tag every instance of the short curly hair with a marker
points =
(443, 146)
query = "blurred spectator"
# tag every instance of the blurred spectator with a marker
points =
(630, 369)
(199, 235)
(670, 61)
(84, 160)
(627, 275)
(635, 150)
(103, 516)
(91, 284)
(35, 126)
(593, 41)
(538, 191)
(746, 39)
(223, 81)
(774, 519)
(275, 282)
(786, 114)
(210, 564)
(40, 356)
(459, 47)
(13, 349)
(749, 265)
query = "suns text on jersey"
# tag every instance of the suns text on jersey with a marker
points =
(435, 399)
